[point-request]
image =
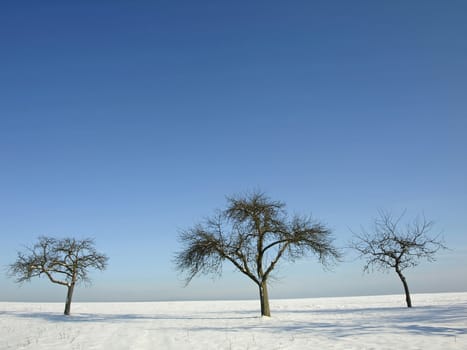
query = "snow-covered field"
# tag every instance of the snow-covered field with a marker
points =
(438, 321)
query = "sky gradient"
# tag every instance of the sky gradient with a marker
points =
(128, 121)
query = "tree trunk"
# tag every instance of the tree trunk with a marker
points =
(264, 299)
(69, 296)
(406, 288)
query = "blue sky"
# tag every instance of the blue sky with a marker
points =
(128, 121)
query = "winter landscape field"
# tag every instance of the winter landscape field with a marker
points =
(437, 321)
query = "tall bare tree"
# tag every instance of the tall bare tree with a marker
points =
(253, 233)
(392, 245)
(64, 261)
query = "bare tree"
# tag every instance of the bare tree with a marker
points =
(253, 233)
(64, 261)
(391, 245)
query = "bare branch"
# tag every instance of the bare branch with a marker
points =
(254, 234)
(64, 261)
(389, 246)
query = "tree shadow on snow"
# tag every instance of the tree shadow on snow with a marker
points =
(434, 314)
(428, 320)
(89, 317)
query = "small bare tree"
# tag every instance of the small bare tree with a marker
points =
(391, 245)
(253, 233)
(64, 261)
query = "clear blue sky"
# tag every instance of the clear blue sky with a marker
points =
(130, 120)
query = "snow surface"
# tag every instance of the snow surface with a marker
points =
(437, 321)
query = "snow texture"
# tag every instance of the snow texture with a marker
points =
(437, 321)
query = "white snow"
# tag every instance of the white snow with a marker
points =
(437, 321)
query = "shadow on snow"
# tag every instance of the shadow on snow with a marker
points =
(428, 320)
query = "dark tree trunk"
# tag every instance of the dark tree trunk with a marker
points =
(264, 299)
(69, 296)
(406, 288)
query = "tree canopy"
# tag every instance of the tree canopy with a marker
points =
(65, 261)
(253, 233)
(392, 245)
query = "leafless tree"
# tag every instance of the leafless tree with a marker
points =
(253, 233)
(392, 245)
(64, 261)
